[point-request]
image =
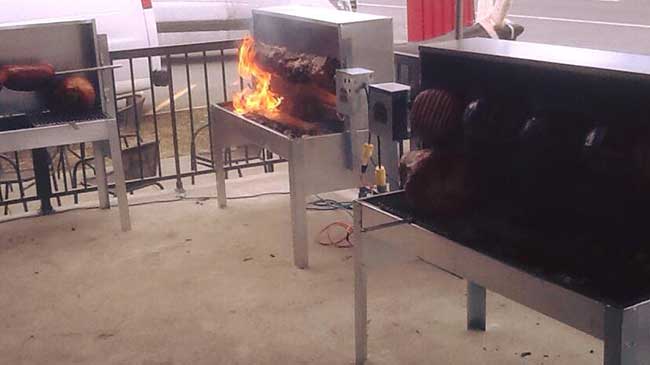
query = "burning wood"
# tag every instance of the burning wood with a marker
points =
(292, 89)
(287, 124)
(305, 101)
(297, 68)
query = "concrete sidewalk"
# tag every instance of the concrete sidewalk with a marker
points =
(192, 284)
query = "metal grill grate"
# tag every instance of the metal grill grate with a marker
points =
(16, 122)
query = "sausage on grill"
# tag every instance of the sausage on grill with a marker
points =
(27, 77)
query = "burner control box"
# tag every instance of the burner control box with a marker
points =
(388, 110)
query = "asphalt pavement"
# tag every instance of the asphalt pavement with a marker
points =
(616, 25)
(622, 25)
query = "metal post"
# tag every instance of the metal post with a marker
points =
(459, 19)
(217, 136)
(360, 290)
(475, 307)
(207, 101)
(189, 100)
(613, 341)
(120, 183)
(155, 113)
(100, 174)
(298, 203)
(40, 157)
(172, 111)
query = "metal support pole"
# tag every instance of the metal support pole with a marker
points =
(627, 335)
(298, 204)
(218, 136)
(172, 112)
(613, 341)
(459, 19)
(120, 181)
(475, 307)
(360, 290)
(100, 174)
(40, 158)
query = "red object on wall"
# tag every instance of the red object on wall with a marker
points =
(432, 18)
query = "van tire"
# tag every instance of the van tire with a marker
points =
(160, 78)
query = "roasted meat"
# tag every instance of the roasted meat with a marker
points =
(26, 77)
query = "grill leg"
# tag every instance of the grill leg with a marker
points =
(218, 162)
(613, 337)
(360, 291)
(120, 183)
(627, 335)
(100, 173)
(475, 307)
(298, 204)
(40, 158)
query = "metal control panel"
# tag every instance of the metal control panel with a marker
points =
(351, 89)
(352, 103)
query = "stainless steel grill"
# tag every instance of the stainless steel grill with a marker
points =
(323, 162)
(26, 123)
(574, 247)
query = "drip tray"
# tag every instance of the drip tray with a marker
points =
(610, 265)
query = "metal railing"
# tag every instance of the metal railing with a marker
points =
(164, 127)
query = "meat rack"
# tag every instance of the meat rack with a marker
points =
(67, 46)
(557, 75)
(320, 163)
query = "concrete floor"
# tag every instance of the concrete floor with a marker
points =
(192, 284)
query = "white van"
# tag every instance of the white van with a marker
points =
(187, 11)
(127, 23)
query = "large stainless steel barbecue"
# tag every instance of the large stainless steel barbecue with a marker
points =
(322, 158)
(556, 218)
(30, 120)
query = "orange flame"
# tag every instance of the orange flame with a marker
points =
(259, 97)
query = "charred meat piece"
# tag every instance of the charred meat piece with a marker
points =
(412, 162)
(27, 77)
(436, 118)
(72, 94)
(438, 183)
(300, 68)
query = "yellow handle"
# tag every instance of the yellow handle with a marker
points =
(380, 176)
(366, 153)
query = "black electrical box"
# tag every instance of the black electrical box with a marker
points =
(388, 110)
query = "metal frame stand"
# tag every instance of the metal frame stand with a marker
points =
(97, 132)
(316, 165)
(625, 331)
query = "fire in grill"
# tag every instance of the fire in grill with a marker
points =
(289, 65)
(291, 92)
(291, 71)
